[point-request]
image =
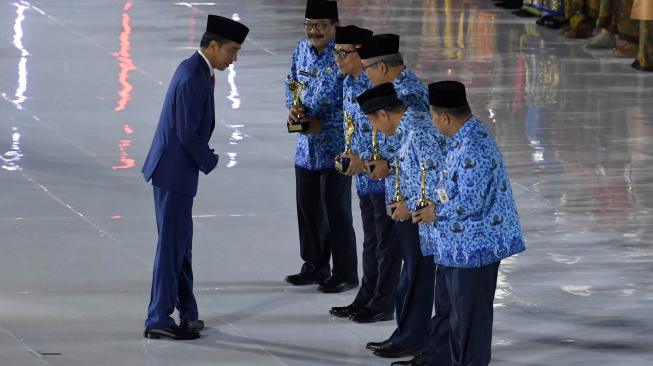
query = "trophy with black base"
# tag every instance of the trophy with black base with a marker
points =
(296, 89)
(397, 196)
(376, 155)
(423, 201)
(342, 162)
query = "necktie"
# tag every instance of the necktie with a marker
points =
(213, 81)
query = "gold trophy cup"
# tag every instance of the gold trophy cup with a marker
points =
(423, 200)
(342, 163)
(296, 89)
(397, 196)
(376, 155)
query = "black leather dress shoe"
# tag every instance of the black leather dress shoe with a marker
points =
(191, 325)
(394, 352)
(174, 332)
(301, 279)
(346, 311)
(418, 360)
(378, 345)
(334, 286)
(368, 315)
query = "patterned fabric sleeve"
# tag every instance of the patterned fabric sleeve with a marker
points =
(327, 104)
(415, 99)
(467, 186)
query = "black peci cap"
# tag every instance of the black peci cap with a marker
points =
(321, 9)
(380, 45)
(226, 28)
(352, 34)
(380, 96)
(447, 94)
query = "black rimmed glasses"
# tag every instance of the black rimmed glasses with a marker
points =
(370, 65)
(319, 26)
(342, 53)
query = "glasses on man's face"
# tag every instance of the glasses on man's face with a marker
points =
(342, 53)
(320, 27)
(370, 65)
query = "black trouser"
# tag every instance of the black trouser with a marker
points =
(471, 292)
(415, 290)
(325, 224)
(381, 259)
(437, 351)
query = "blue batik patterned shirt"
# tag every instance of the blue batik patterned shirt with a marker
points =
(423, 144)
(412, 91)
(322, 99)
(479, 225)
(415, 96)
(362, 139)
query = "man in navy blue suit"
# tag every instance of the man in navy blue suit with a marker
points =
(180, 150)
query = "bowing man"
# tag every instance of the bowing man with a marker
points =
(179, 151)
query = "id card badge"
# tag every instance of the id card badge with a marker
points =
(442, 191)
(442, 195)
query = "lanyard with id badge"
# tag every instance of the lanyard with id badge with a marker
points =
(442, 190)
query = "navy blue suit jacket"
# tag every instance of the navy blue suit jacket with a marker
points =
(180, 148)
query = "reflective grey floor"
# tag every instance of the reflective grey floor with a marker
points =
(82, 84)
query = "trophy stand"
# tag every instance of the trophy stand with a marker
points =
(342, 163)
(423, 200)
(375, 151)
(296, 89)
(397, 196)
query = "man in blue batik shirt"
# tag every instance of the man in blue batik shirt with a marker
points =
(383, 63)
(476, 222)
(418, 144)
(320, 189)
(375, 300)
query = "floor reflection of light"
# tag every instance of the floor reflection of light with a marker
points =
(22, 64)
(124, 57)
(191, 33)
(538, 156)
(11, 158)
(504, 288)
(232, 160)
(237, 135)
(126, 162)
(126, 66)
(233, 95)
(564, 259)
(190, 5)
(231, 78)
(578, 290)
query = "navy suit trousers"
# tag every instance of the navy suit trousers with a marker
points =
(381, 259)
(415, 290)
(172, 280)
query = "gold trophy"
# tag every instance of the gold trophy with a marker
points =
(423, 200)
(376, 155)
(342, 163)
(397, 196)
(296, 88)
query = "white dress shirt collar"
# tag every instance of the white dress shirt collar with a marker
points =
(207, 61)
